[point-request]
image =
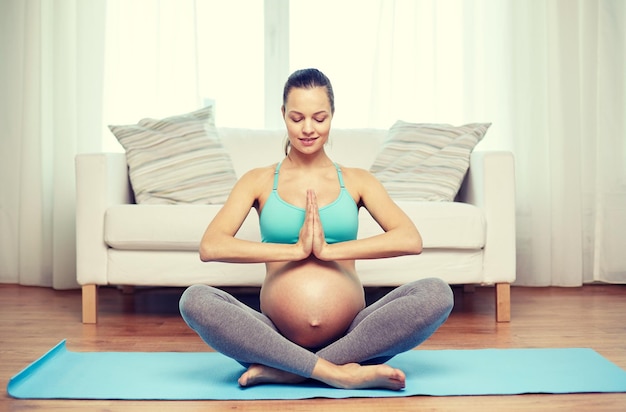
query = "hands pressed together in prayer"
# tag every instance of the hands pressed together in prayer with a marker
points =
(312, 239)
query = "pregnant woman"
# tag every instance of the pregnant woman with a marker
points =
(313, 323)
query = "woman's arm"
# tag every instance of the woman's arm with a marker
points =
(400, 236)
(219, 242)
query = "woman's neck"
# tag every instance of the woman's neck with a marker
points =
(297, 159)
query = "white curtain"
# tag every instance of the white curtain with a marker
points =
(570, 142)
(549, 75)
(151, 61)
(169, 57)
(50, 109)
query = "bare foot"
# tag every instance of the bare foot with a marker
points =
(349, 376)
(355, 376)
(258, 374)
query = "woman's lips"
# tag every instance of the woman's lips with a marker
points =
(308, 141)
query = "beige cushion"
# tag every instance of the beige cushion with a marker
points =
(179, 159)
(166, 227)
(426, 161)
(443, 225)
(450, 225)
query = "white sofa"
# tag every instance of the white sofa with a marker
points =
(469, 241)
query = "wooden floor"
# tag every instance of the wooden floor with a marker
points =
(32, 320)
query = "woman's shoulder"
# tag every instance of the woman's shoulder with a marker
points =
(258, 175)
(253, 184)
(260, 171)
(360, 180)
(356, 173)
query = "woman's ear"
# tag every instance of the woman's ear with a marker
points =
(282, 110)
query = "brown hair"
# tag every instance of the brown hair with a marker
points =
(308, 79)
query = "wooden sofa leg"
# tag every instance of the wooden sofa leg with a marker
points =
(90, 303)
(503, 302)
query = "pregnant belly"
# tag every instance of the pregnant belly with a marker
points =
(312, 304)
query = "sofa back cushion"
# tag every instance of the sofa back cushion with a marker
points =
(179, 159)
(250, 148)
(426, 161)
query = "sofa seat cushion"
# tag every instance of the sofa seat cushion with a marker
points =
(165, 227)
(443, 225)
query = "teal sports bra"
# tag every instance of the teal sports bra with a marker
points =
(281, 222)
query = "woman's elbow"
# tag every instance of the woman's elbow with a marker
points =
(211, 246)
(415, 247)
(409, 242)
(204, 255)
(207, 252)
(414, 244)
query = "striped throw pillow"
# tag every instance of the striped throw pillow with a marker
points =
(179, 159)
(426, 161)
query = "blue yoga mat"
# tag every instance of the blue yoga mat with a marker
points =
(63, 374)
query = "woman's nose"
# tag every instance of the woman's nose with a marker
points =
(307, 127)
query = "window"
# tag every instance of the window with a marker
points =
(169, 57)
(231, 60)
(340, 39)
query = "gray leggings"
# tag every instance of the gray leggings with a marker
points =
(396, 323)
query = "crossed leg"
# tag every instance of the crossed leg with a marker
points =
(398, 322)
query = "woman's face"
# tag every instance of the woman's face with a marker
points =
(307, 115)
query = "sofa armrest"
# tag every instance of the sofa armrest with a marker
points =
(101, 181)
(490, 185)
